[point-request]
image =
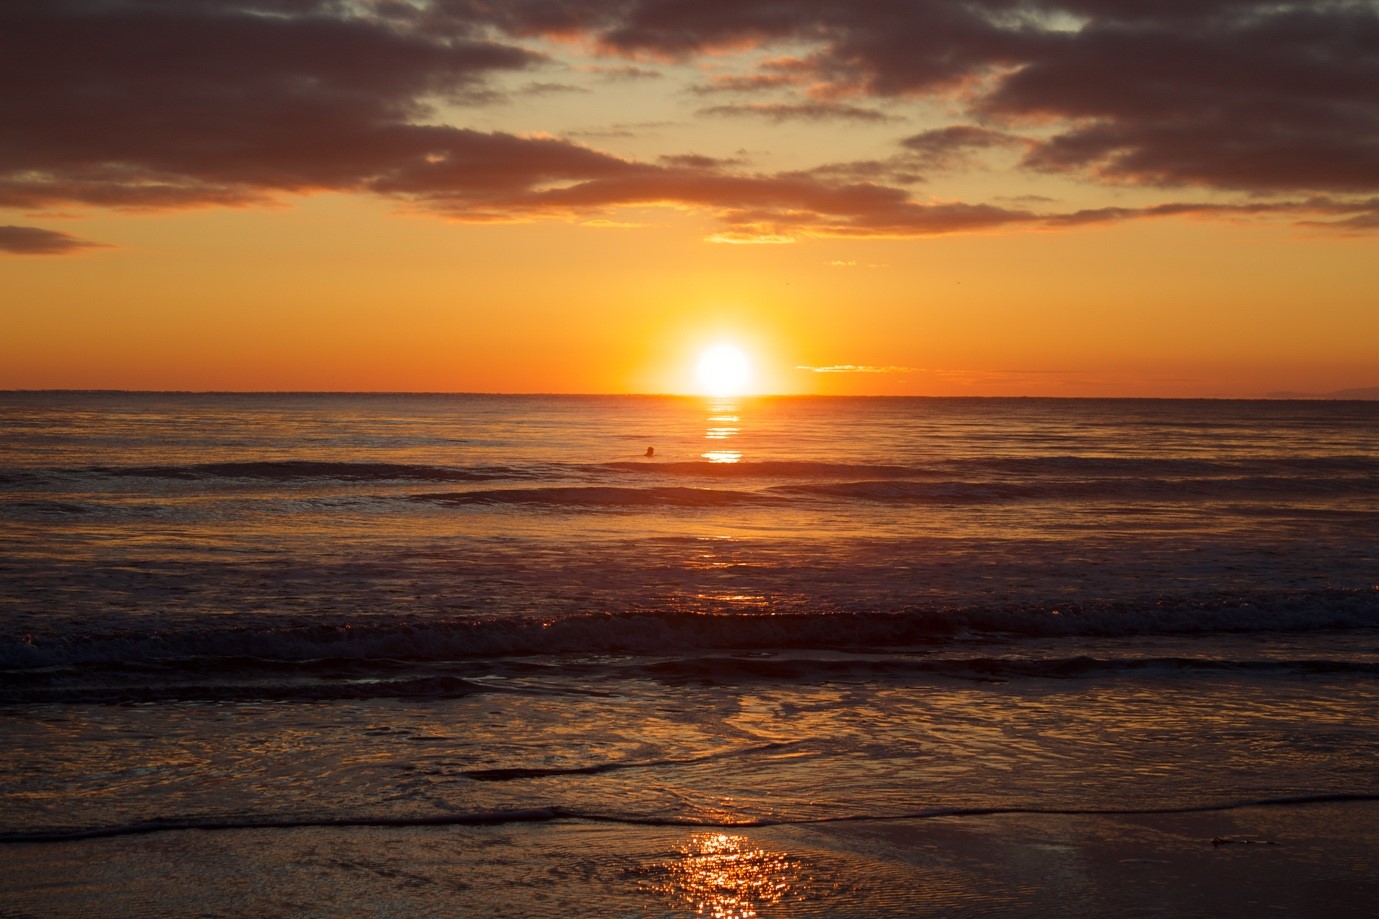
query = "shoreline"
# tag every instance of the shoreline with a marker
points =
(1315, 858)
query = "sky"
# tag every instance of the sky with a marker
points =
(987, 197)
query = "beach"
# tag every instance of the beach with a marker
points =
(1294, 860)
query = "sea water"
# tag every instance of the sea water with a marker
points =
(637, 649)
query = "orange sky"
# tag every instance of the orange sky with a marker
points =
(894, 198)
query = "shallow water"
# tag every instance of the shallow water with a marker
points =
(486, 613)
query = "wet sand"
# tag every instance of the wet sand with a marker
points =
(1293, 860)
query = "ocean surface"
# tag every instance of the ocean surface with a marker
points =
(498, 618)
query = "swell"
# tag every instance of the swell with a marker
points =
(1016, 466)
(298, 470)
(772, 469)
(902, 491)
(601, 496)
(555, 814)
(982, 669)
(70, 691)
(401, 642)
(46, 494)
(186, 681)
(970, 468)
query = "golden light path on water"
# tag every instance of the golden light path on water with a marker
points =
(723, 876)
(724, 424)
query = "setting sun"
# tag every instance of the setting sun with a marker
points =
(723, 370)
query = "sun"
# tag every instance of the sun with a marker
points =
(723, 370)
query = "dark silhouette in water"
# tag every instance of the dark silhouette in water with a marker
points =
(650, 451)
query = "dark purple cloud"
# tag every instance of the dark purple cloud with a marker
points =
(173, 103)
(1280, 100)
(947, 148)
(798, 111)
(1251, 95)
(161, 104)
(37, 241)
(748, 83)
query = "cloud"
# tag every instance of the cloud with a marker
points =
(859, 368)
(798, 111)
(750, 237)
(950, 147)
(179, 103)
(602, 224)
(1261, 96)
(698, 161)
(171, 104)
(769, 205)
(536, 88)
(747, 83)
(37, 241)
(627, 72)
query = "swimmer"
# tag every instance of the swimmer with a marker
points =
(650, 451)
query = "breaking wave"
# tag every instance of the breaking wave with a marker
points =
(446, 658)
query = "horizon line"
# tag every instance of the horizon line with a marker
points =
(1282, 396)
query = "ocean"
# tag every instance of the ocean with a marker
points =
(392, 654)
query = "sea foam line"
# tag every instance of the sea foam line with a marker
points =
(554, 814)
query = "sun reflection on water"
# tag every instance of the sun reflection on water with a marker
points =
(725, 877)
(724, 424)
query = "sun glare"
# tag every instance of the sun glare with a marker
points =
(723, 370)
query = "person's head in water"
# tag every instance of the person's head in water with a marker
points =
(650, 451)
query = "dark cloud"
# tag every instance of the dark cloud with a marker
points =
(747, 83)
(173, 103)
(548, 89)
(1273, 96)
(162, 104)
(798, 111)
(698, 161)
(769, 205)
(897, 170)
(37, 241)
(950, 147)
(1281, 100)
(628, 72)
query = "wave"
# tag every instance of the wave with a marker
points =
(45, 509)
(518, 773)
(396, 658)
(566, 814)
(1130, 489)
(604, 496)
(1019, 467)
(969, 468)
(902, 492)
(81, 689)
(671, 632)
(182, 681)
(41, 494)
(771, 469)
(712, 670)
(297, 470)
